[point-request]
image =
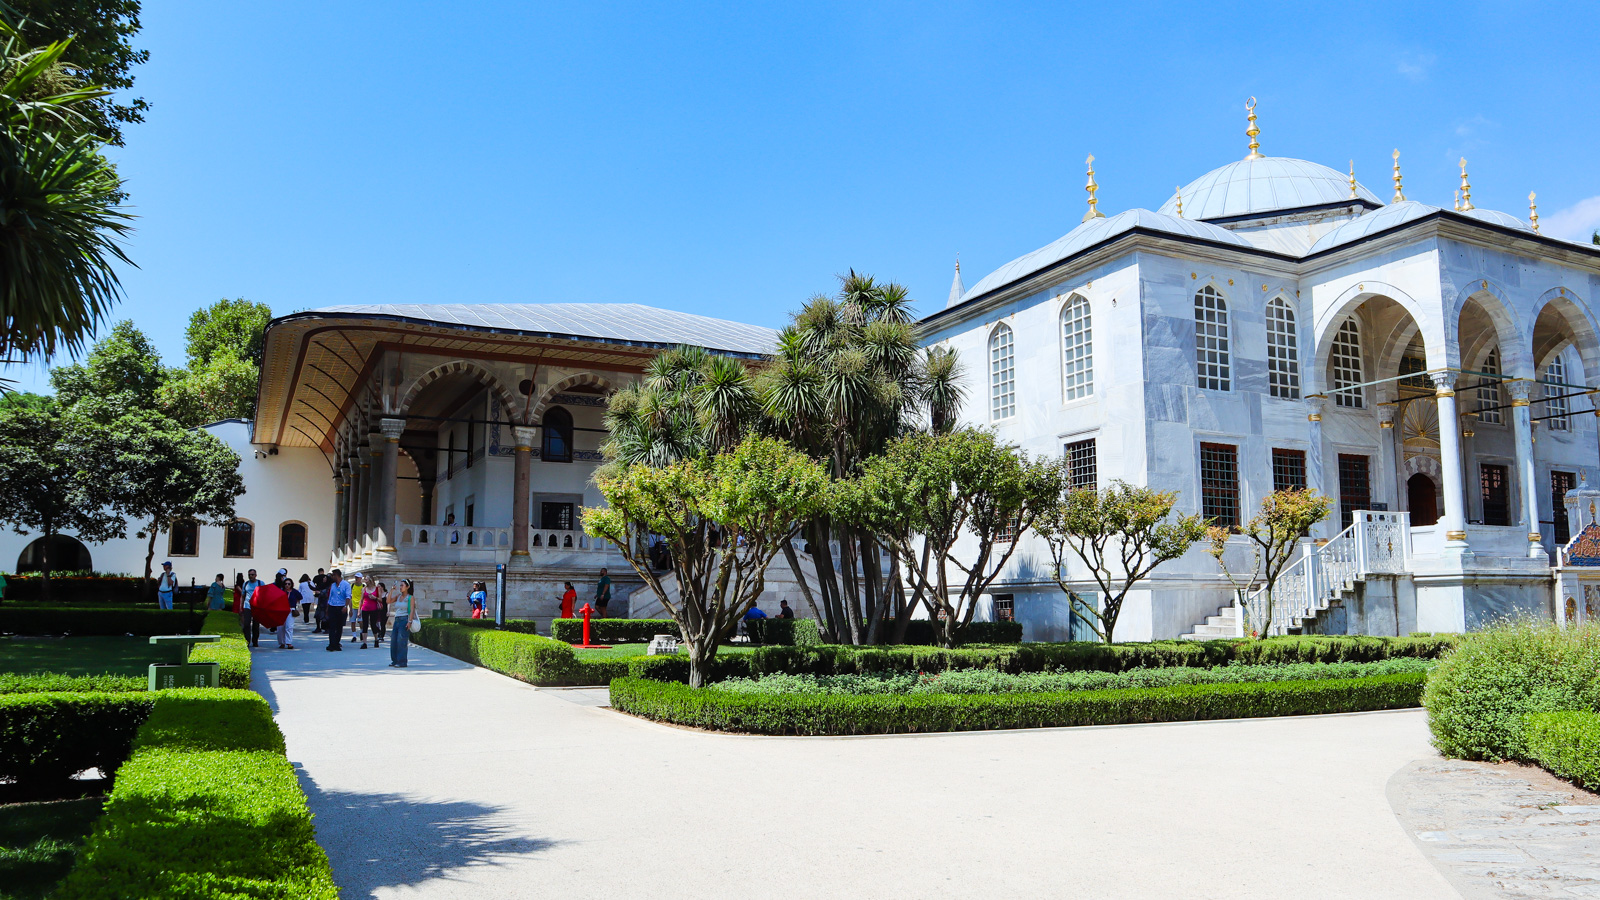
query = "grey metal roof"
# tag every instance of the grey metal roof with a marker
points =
(1372, 223)
(623, 322)
(1498, 218)
(1094, 232)
(1264, 184)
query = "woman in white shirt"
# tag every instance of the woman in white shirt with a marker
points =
(400, 602)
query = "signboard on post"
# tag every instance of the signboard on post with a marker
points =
(500, 595)
(180, 672)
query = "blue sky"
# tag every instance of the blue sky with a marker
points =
(730, 159)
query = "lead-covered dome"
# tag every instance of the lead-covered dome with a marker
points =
(1264, 184)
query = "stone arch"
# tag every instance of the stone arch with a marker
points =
(458, 367)
(1314, 376)
(1422, 464)
(1508, 332)
(547, 398)
(1574, 313)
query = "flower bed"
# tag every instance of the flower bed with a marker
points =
(840, 714)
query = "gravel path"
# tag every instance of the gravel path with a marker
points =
(447, 781)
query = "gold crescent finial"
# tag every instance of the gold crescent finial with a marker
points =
(1091, 187)
(1252, 131)
(1458, 199)
(1399, 195)
(1353, 179)
(1179, 189)
(1533, 211)
(1466, 188)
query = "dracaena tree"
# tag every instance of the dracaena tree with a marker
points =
(1272, 535)
(723, 516)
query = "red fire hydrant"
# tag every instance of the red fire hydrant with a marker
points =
(587, 612)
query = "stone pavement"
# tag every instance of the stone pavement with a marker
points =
(1499, 831)
(446, 781)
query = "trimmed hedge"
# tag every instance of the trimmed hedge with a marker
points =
(676, 667)
(208, 806)
(232, 652)
(525, 657)
(923, 633)
(612, 631)
(840, 714)
(95, 622)
(520, 626)
(50, 681)
(79, 588)
(49, 737)
(1568, 744)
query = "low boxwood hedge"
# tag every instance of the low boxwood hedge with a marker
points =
(50, 681)
(232, 652)
(526, 657)
(676, 667)
(49, 737)
(79, 589)
(612, 631)
(839, 714)
(95, 622)
(521, 626)
(1568, 744)
(207, 806)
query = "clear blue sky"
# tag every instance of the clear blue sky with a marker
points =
(730, 160)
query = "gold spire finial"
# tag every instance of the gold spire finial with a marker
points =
(1179, 189)
(1091, 187)
(1352, 179)
(1399, 195)
(1533, 211)
(1466, 189)
(1252, 131)
(1458, 199)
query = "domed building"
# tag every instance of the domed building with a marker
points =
(1275, 324)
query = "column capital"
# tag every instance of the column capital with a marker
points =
(392, 429)
(1444, 383)
(525, 436)
(1385, 416)
(1520, 390)
(1316, 405)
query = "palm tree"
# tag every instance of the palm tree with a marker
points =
(59, 208)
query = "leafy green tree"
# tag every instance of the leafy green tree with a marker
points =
(228, 327)
(690, 403)
(60, 213)
(101, 52)
(121, 374)
(161, 472)
(223, 387)
(1273, 535)
(1121, 534)
(53, 478)
(723, 517)
(928, 493)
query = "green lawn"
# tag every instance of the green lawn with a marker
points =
(39, 842)
(80, 655)
(623, 651)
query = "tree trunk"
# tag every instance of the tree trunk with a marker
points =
(793, 559)
(702, 653)
(872, 568)
(149, 558)
(822, 554)
(44, 564)
(851, 584)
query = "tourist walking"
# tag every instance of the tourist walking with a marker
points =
(602, 593)
(217, 594)
(166, 585)
(252, 628)
(358, 592)
(307, 599)
(338, 607)
(478, 599)
(319, 587)
(400, 604)
(568, 600)
(373, 613)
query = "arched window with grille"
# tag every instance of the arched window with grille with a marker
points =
(1555, 404)
(1344, 361)
(556, 435)
(1283, 351)
(1489, 394)
(292, 540)
(183, 538)
(1077, 349)
(239, 540)
(1212, 344)
(1002, 373)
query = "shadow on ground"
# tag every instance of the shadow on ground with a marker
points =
(391, 840)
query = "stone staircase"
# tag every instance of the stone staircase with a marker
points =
(1225, 624)
(1330, 619)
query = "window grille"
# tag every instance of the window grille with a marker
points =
(1219, 484)
(1355, 487)
(1008, 531)
(1346, 362)
(1213, 359)
(1414, 367)
(1489, 394)
(240, 539)
(1083, 471)
(1560, 483)
(184, 538)
(1077, 350)
(1005, 608)
(1496, 494)
(1002, 374)
(291, 541)
(1283, 351)
(1556, 406)
(1288, 470)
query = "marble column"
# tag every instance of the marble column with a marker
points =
(1454, 520)
(522, 501)
(341, 483)
(1314, 469)
(374, 492)
(1527, 472)
(352, 501)
(387, 482)
(1388, 470)
(363, 496)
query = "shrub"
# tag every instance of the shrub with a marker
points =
(50, 737)
(613, 631)
(1568, 744)
(1480, 696)
(80, 589)
(676, 667)
(526, 657)
(93, 622)
(50, 681)
(836, 714)
(232, 652)
(923, 633)
(520, 626)
(208, 806)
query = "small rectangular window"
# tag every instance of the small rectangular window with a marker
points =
(1560, 483)
(1005, 609)
(1219, 484)
(1355, 487)
(1288, 470)
(1082, 466)
(184, 538)
(1496, 494)
(1556, 393)
(472, 509)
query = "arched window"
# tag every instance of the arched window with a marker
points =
(557, 435)
(1345, 362)
(1002, 374)
(1213, 358)
(1077, 349)
(1489, 394)
(183, 539)
(291, 541)
(1283, 351)
(240, 540)
(1555, 404)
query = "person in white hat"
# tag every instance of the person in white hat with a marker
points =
(166, 585)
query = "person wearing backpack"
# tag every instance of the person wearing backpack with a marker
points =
(374, 613)
(166, 585)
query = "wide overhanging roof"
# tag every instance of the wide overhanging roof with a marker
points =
(313, 361)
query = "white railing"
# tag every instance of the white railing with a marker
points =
(451, 537)
(1376, 543)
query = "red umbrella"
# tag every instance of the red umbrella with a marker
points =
(270, 606)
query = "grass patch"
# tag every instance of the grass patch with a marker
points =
(39, 843)
(79, 656)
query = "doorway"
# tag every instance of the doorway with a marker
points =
(1422, 498)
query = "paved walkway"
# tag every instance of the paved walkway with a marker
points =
(445, 781)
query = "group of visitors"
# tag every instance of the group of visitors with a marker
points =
(328, 599)
(376, 606)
